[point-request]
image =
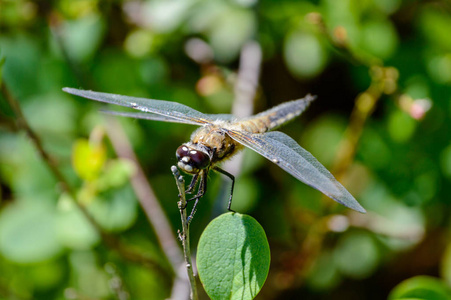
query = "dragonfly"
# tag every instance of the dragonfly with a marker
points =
(220, 136)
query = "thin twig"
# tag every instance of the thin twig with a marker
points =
(146, 197)
(184, 235)
(151, 207)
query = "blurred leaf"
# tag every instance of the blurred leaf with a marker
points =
(374, 150)
(82, 37)
(117, 173)
(435, 23)
(73, 229)
(304, 54)
(401, 126)
(324, 274)
(116, 72)
(387, 6)
(356, 255)
(154, 71)
(144, 282)
(401, 226)
(46, 275)
(417, 87)
(117, 211)
(28, 233)
(24, 54)
(139, 43)
(439, 67)
(230, 31)
(165, 16)
(344, 14)
(41, 108)
(421, 287)
(28, 175)
(88, 159)
(233, 257)
(445, 159)
(331, 129)
(379, 38)
(89, 278)
(245, 195)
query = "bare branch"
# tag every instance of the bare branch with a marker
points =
(146, 197)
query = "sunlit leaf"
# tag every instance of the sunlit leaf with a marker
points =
(233, 257)
(88, 159)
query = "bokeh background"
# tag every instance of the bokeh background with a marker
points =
(381, 124)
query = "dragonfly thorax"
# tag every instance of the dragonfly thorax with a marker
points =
(191, 159)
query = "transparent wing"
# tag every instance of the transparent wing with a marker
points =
(148, 116)
(168, 109)
(285, 152)
(221, 117)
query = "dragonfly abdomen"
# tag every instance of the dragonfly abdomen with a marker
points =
(282, 113)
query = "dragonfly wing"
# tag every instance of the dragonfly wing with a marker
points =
(221, 117)
(171, 110)
(148, 116)
(286, 153)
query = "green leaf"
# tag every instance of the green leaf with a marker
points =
(304, 54)
(116, 174)
(401, 126)
(379, 38)
(28, 233)
(83, 36)
(356, 255)
(233, 257)
(116, 210)
(73, 228)
(87, 159)
(421, 287)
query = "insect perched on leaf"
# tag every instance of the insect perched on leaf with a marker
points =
(221, 136)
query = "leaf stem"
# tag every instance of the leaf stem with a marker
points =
(184, 235)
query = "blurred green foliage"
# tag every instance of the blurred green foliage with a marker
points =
(382, 73)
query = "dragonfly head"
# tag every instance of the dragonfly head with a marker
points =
(191, 159)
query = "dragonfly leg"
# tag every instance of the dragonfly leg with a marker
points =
(231, 189)
(200, 193)
(193, 184)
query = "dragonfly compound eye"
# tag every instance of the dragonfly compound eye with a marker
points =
(191, 160)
